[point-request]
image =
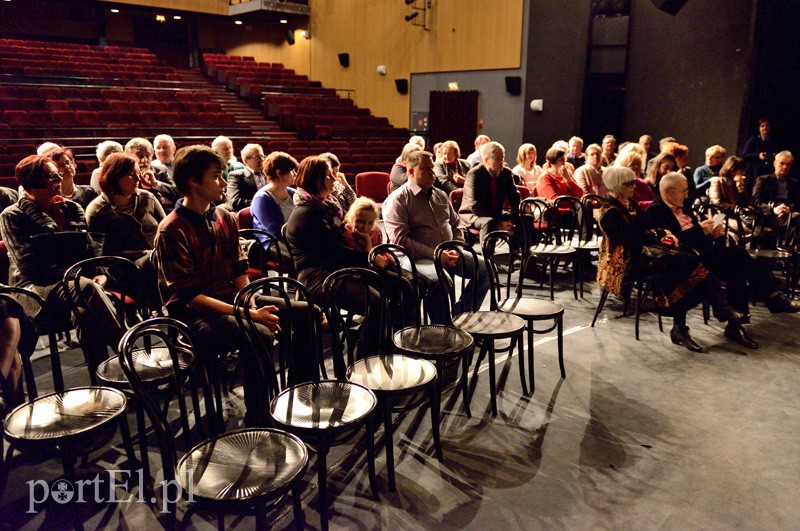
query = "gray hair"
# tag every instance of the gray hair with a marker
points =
(492, 149)
(785, 153)
(46, 148)
(670, 180)
(407, 150)
(595, 147)
(137, 143)
(163, 137)
(576, 139)
(418, 140)
(217, 142)
(615, 176)
(106, 148)
(250, 149)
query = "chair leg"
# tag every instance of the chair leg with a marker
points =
(297, 506)
(465, 383)
(373, 480)
(492, 383)
(553, 266)
(603, 297)
(521, 351)
(561, 346)
(388, 440)
(577, 270)
(322, 480)
(140, 426)
(436, 399)
(531, 357)
(125, 433)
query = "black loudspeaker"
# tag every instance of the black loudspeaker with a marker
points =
(344, 59)
(514, 85)
(670, 6)
(290, 37)
(402, 85)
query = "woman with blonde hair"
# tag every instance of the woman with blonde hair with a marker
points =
(632, 157)
(526, 169)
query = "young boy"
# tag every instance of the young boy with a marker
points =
(201, 267)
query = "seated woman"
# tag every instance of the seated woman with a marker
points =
(128, 217)
(526, 169)
(682, 281)
(30, 229)
(224, 146)
(273, 204)
(728, 191)
(82, 194)
(681, 154)
(557, 180)
(343, 193)
(315, 238)
(451, 171)
(398, 176)
(104, 149)
(661, 165)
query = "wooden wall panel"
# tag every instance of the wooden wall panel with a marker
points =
(214, 7)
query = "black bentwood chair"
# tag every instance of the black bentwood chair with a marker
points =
(401, 383)
(531, 309)
(250, 469)
(485, 327)
(322, 413)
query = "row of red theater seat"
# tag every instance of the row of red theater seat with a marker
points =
(33, 104)
(130, 94)
(19, 118)
(67, 46)
(93, 74)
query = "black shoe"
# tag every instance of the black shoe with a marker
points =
(738, 334)
(723, 312)
(680, 336)
(780, 303)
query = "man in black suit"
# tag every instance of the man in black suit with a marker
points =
(776, 194)
(243, 184)
(731, 264)
(489, 186)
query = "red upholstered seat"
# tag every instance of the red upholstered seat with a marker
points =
(245, 219)
(372, 184)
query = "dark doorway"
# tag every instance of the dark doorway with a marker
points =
(169, 40)
(453, 115)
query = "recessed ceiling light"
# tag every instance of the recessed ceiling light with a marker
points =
(238, 22)
(284, 21)
(177, 17)
(113, 10)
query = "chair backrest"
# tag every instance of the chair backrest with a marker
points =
(287, 289)
(590, 203)
(167, 333)
(244, 218)
(266, 252)
(535, 216)
(372, 184)
(354, 323)
(42, 315)
(395, 272)
(566, 215)
(456, 197)
(468, 276)
(505, 265)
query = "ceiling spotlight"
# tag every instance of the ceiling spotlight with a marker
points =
(238, 22)
(177, 17)
(115, 10)
(412, 16)
(284, 21)
(161, 18)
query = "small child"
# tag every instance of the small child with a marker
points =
(360, 232)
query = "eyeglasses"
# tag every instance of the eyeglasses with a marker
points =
(629, 183)
(257, 156)
(51, 178)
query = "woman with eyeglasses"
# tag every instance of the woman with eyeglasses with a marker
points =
(83, 194)
(678, 280)
(45, 234)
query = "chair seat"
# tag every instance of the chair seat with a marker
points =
(152, 366)
(59, 416)
(432, 342)
(392, 373)
(242, 465)
(324, 405)
(588, 245)
(527, 307)
(497, 325)
(551, 248)
(770, 254)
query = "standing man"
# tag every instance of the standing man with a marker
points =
(243, 184)
(165, 153)
(759, 153)
(489, 187)
(575, 155)
(418, 217)
(475, 158)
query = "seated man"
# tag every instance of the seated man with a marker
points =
(731, 264)
(776, 196)
(164, 148)
(243, 184)
(475, 157)
(166, 193)
(201, 267)
(590, 176)
(488, 192)
(419, 217)
(451, 171)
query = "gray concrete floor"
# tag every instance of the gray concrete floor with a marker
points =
(640, 435)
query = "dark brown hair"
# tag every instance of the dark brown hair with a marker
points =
(278, 161)
(311, 174)
(115, 168)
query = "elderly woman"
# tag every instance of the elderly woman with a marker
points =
(104, 149)
(715, 155)
(166, 193)
(398, 175)
(343, 193)
(526, 170)
(274, 203)
(65, 162)
(451, 171)
(224, 146)
(556, 180)
(680, 280)
(32, 229)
